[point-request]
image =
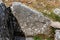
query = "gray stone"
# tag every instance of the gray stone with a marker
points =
(57, 35)
(31, 21)
(57, 11)
(55, 24)
(1, 1)
(29, 38)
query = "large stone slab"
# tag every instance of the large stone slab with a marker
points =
(31, 21)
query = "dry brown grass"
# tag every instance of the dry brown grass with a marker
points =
(40, 5)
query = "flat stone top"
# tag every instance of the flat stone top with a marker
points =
(31, 21)
(55, 24)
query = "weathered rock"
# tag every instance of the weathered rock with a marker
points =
(31, 21)
(57, 35)
(9, 27)
(29, 38)
(4, 33)
(55, 24)
(57, 11)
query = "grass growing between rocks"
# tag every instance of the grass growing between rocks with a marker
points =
(41, 37)
(52, 16)
(46, 37)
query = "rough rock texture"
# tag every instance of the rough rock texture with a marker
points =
(57, 35)
(31, 21)
(55, 24)
(4, 33)
(9, 27)
(57, 11)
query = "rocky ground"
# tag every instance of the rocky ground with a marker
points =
(40, 5)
